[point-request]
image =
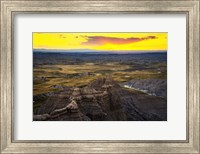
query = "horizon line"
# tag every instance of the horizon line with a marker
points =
(93, 50)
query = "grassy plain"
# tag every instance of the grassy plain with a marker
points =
(46, 76)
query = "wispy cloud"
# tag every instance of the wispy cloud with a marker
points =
(101, 40)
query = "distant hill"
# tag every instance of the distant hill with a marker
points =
(87, 51)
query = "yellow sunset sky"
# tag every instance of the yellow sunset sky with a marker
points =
(101, 41)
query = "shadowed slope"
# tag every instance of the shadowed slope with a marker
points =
(102, 99)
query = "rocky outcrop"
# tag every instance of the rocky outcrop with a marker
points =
(104, 83)
(156, 87)
(103, 99)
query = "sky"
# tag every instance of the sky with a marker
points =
(101, 41)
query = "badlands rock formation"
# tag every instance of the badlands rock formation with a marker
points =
(102, 100)
(156, 87)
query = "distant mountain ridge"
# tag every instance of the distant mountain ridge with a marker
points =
(89, 51)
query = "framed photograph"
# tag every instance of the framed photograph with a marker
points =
(99, 76)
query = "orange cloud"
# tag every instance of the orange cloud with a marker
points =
(101, 40)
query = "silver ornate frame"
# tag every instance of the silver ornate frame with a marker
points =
(11, 7)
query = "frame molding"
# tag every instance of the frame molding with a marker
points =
(11, 7)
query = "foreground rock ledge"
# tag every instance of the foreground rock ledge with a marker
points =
(102, 100)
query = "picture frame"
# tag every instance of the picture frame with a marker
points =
(9, 8)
